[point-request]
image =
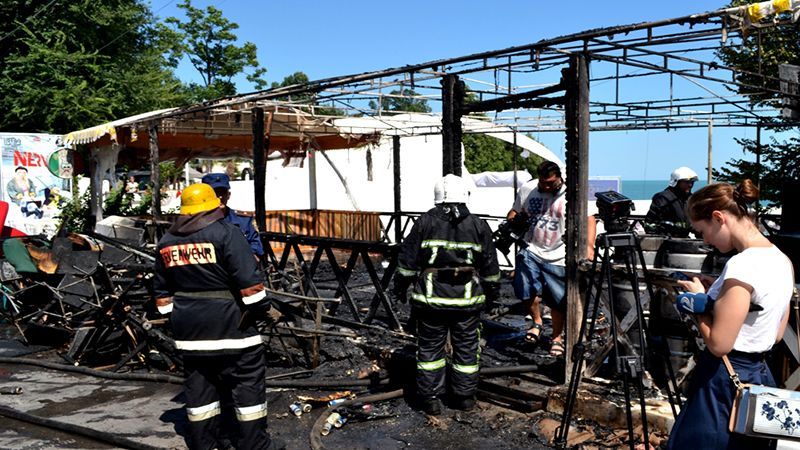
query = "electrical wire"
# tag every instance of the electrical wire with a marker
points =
(41, 10)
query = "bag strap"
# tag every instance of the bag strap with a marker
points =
(732, 373)
(795, 303)
(796, 308)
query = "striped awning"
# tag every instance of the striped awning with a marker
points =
(89, 135)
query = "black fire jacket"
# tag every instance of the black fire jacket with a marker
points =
(206, 277)
(451, 259)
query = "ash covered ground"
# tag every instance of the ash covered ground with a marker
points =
(510, 413)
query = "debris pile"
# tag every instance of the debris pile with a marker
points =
(87, 296)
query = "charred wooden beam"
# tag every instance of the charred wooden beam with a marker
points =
(453, 90)
(516, 100)
(398, 231)
(577, 160)
(155, 172)
(259, 167)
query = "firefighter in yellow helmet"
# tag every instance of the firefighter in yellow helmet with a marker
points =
(206, 278)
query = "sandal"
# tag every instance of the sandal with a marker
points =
(531, 337)
(557, 349)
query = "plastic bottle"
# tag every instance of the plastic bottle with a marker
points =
(337, 401)
(338, 423)
(366, 408)
(330, 423)
(306, 407)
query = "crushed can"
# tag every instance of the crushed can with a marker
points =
(296, 408)
(336, 402)
(330, 423)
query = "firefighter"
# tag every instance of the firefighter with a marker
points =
(221, 184)
(450, 258)
(206, 278)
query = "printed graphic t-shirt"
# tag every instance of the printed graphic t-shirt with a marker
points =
(547, 221)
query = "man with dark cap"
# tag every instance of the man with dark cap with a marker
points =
(211, 288)
(220, 182)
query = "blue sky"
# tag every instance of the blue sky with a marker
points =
(329, 38)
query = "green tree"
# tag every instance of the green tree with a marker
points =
(208, 40)
(401, 101)
(779, 158)
(69, 64)
(776, 47)
(484, 153)
(299, 79)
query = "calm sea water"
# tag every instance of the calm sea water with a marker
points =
(645, 189)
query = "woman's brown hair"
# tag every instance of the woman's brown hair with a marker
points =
(723, 197)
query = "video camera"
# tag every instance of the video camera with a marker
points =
(614, 210)
(511, 232)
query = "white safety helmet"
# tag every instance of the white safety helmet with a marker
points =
(450, 189)
(682, 173)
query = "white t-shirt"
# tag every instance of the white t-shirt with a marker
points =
(769, 272)
(547, 221)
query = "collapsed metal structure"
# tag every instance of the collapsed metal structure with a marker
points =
(539, 87)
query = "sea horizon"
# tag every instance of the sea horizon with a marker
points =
(645, 189)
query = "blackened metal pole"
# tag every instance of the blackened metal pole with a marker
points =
(758, 157)
(577, 160)
(514, 159)
(398, 229)
(452, 101)
(259, 168)
(710, 168)
(155, 173)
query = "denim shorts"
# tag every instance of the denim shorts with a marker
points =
(533, 276)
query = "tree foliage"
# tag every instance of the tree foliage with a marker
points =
(484, 153)
(401, 101)
(69, 64)
(207, 38)
(760, 55)
(298, 79)
(780, 160)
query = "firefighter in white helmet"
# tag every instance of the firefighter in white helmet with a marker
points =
(450, 259)
(667, 214)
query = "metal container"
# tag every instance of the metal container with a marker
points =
(296, 408)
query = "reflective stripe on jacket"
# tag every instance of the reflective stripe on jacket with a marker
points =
(451, 260)
(211, 277)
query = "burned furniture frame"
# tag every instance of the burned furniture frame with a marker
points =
(325, 247)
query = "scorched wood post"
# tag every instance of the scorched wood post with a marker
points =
(260, 143)
(452, 101)
(155, 172)
(577, 160)
(398, 229)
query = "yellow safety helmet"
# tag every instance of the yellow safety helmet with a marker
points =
(197, 198)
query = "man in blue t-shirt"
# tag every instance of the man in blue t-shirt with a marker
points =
(222, 187)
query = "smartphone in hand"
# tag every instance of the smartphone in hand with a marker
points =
(679, 276)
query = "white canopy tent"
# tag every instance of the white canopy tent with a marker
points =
(364, 186)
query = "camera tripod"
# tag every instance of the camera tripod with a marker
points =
(629, 366)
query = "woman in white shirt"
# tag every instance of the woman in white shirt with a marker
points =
(758, 275)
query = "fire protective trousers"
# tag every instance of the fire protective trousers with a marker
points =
(240, 374)
(464, 330)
